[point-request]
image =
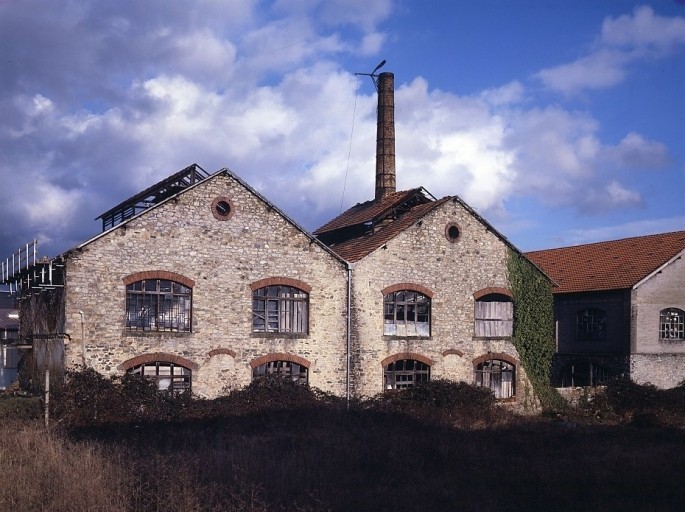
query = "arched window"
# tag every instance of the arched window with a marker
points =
(672, 324)
(280, 309)
(407, 313)
(405, 373)
(282, 369)
(158, 305)
(167, 376)
(497, 375)
(591, 325)
(494, 316)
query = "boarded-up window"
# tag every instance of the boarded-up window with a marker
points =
(494, 316)
(407, 313)
(280, 309)
(281, 369)
(498, 376)
(405, 373)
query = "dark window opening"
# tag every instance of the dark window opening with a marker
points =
(672, 324)
(223, 208)
(591, 325)
(407, 313)
(158, 305)
(497, 375)
(282, 369)
(167, 376)
(405, 373)
(452, 232)
(280, 309)
(581, 373)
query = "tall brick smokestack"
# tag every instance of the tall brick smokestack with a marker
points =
(385, 136)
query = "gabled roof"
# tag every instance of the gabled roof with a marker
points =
(371, 211)
(613, 265)
(357, 248)
(198, 182)
(153, 195)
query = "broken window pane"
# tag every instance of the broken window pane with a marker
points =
(405, 373)
(407, 313)
(672, 324)
(498, 376)
(280, 309)
(167, 376)
(158, 305)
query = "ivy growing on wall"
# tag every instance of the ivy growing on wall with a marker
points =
(533, 334)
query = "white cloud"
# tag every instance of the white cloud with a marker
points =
(637, 152)
(626, 230)
(624, 40)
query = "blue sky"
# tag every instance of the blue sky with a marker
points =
(561, 122)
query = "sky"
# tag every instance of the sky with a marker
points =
(560, 121)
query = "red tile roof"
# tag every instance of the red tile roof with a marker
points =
(357, 248)
(368, 211)
(613, 265)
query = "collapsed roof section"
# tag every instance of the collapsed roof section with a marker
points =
(152, 195)
(367, 226)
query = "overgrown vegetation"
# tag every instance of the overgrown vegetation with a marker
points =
(533, 334)
(118, 444)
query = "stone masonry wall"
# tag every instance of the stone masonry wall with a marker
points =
(222, 258)
(453, 271)
(655, 360)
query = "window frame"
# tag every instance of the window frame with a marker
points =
(185, 376)
(407, 376)
(486, 322)
(496, 367)
(591, 325)
(396, 303)
(291, 309)
(281, 368)
(676, 324)
(171, 302)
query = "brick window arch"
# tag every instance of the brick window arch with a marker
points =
(496, 372)
(494, 313)
(407, 310)
(280, 305)
(405, 370)
(279, 365)
(158, 301)
(170, 373)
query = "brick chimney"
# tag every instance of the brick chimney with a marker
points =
(385, 136)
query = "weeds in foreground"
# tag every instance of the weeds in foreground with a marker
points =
(273, 446)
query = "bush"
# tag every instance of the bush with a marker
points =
(444, 402)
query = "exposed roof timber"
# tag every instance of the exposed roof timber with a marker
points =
(153, 195)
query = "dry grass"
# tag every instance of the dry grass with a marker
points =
(280, 448)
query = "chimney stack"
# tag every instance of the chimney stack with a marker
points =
(385, 136)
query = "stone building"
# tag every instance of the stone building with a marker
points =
(200, 282)
(620, 310)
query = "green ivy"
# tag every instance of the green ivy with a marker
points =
(533, 334)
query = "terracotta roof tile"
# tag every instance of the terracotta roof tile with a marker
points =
(365, 212)
(357, 248)
(613, 265)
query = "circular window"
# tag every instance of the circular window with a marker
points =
(222, 208)
(452, 232)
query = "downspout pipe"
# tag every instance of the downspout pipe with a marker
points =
(83, 339)
(349, 335)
